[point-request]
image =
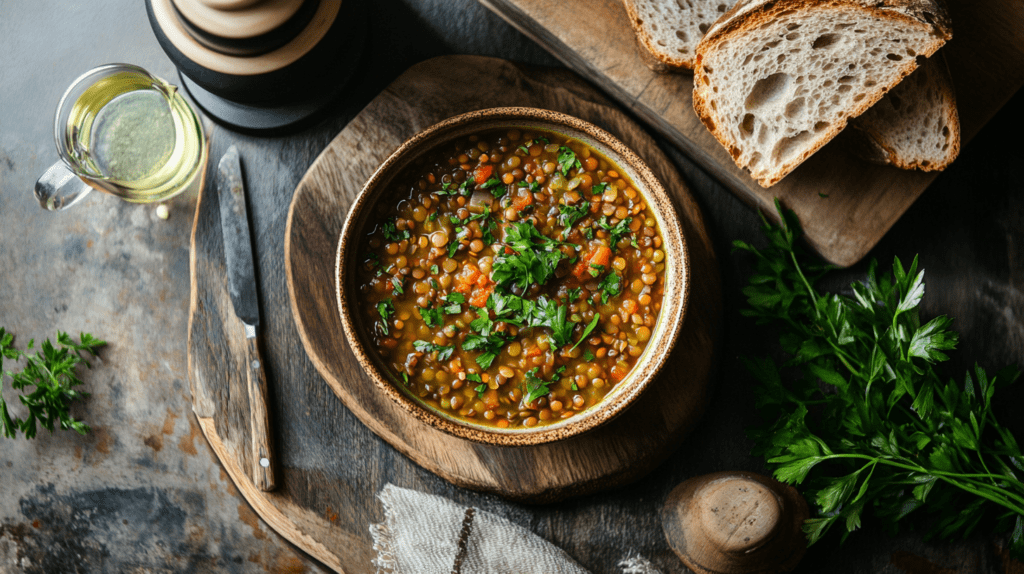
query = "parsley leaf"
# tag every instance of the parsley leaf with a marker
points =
(863, 417)
(431, 316)
(533, 261)
(391, 232)
(385, 309)
(617, 231)
(567, 160)
(443, 352)
(397, 282)
(496, 186)
(588, 356)
(537, 387)
(568, 215)
(453, 303)
(52, 372)
(610, 286)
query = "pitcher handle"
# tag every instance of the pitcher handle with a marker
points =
(60, 188)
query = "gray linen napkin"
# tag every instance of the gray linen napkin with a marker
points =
(427, 534)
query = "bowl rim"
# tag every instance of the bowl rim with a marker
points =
(670, 317)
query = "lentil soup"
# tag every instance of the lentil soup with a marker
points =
(512, 278)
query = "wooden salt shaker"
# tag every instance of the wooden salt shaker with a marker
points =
(735, 522)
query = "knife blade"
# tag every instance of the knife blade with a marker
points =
(238, 253)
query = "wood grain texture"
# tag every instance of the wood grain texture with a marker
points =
(863, 201)
(259, 419)
(617, 452)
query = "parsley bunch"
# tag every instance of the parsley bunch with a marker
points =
(867, 420)
(52, 373)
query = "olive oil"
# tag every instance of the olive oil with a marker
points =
(136, 137)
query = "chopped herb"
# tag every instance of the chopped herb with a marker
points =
(405, 378)
(385, 309)
(465, 188)
(480, 390)
(533, 185)
(574, 387)
(433, 283)
(574, 294)
(453, 247)
(610, 286)
(588, 232)
(595, 269)
(52, 372)
(372, 260)
(537, 387)
(587, 331)
(533, 261)
(443, 352)
(822, 195)
(448, 189)
(496, 186)
(568, 215)
(598, 188)
(617, 231)
(391, 232)
(397, 282)
(632, 241)
(524, 149)
(473, 378)
(434, 270)
(588, 356)
(454, 303)
(432, 216)
(431, 316)
(567, 160)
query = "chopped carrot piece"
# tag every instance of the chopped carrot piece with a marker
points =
(533, 351)
(483, 173)
(479, 298)
(617, 373)
(522, 201)
(601, 256)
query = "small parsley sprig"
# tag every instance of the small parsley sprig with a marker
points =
(52, 372)
(868, 421)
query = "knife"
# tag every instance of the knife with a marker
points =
(242, 287)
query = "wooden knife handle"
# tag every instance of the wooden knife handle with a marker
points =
(259, 420)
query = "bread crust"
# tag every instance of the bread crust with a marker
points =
(750, 14)
(868, 143)
(651, 56)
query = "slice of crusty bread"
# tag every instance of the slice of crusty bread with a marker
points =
(777, 79)
(668, 31)
(915, 126)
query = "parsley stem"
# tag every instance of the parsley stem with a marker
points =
(951, 478)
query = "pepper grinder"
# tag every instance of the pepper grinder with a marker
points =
(261, 64)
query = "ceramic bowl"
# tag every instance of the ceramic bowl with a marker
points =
(664, 334)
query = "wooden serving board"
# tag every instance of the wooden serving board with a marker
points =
(330, 467)
(617, 452)
(845, 205)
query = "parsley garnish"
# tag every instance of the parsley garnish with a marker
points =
(588, 232)
(595, 269)
(496, 186)
(431, 316)
(453, 247)
(434, 270)
(871, 421)
(432, 216)
(574, 294)
(567, 160)
(537, 387)
(598, 188)
(568, 215)
(587, 331)
(453, 303)
(385, 309)
(610, 286)
(443, 352)
(588, 356)
(397, 282)
(534, 260)
(391, 232)
(52, 373)
(617, 231)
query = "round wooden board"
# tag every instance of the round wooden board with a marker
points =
(620, 451)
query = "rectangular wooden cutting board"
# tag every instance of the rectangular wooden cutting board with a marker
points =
(845, 204)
